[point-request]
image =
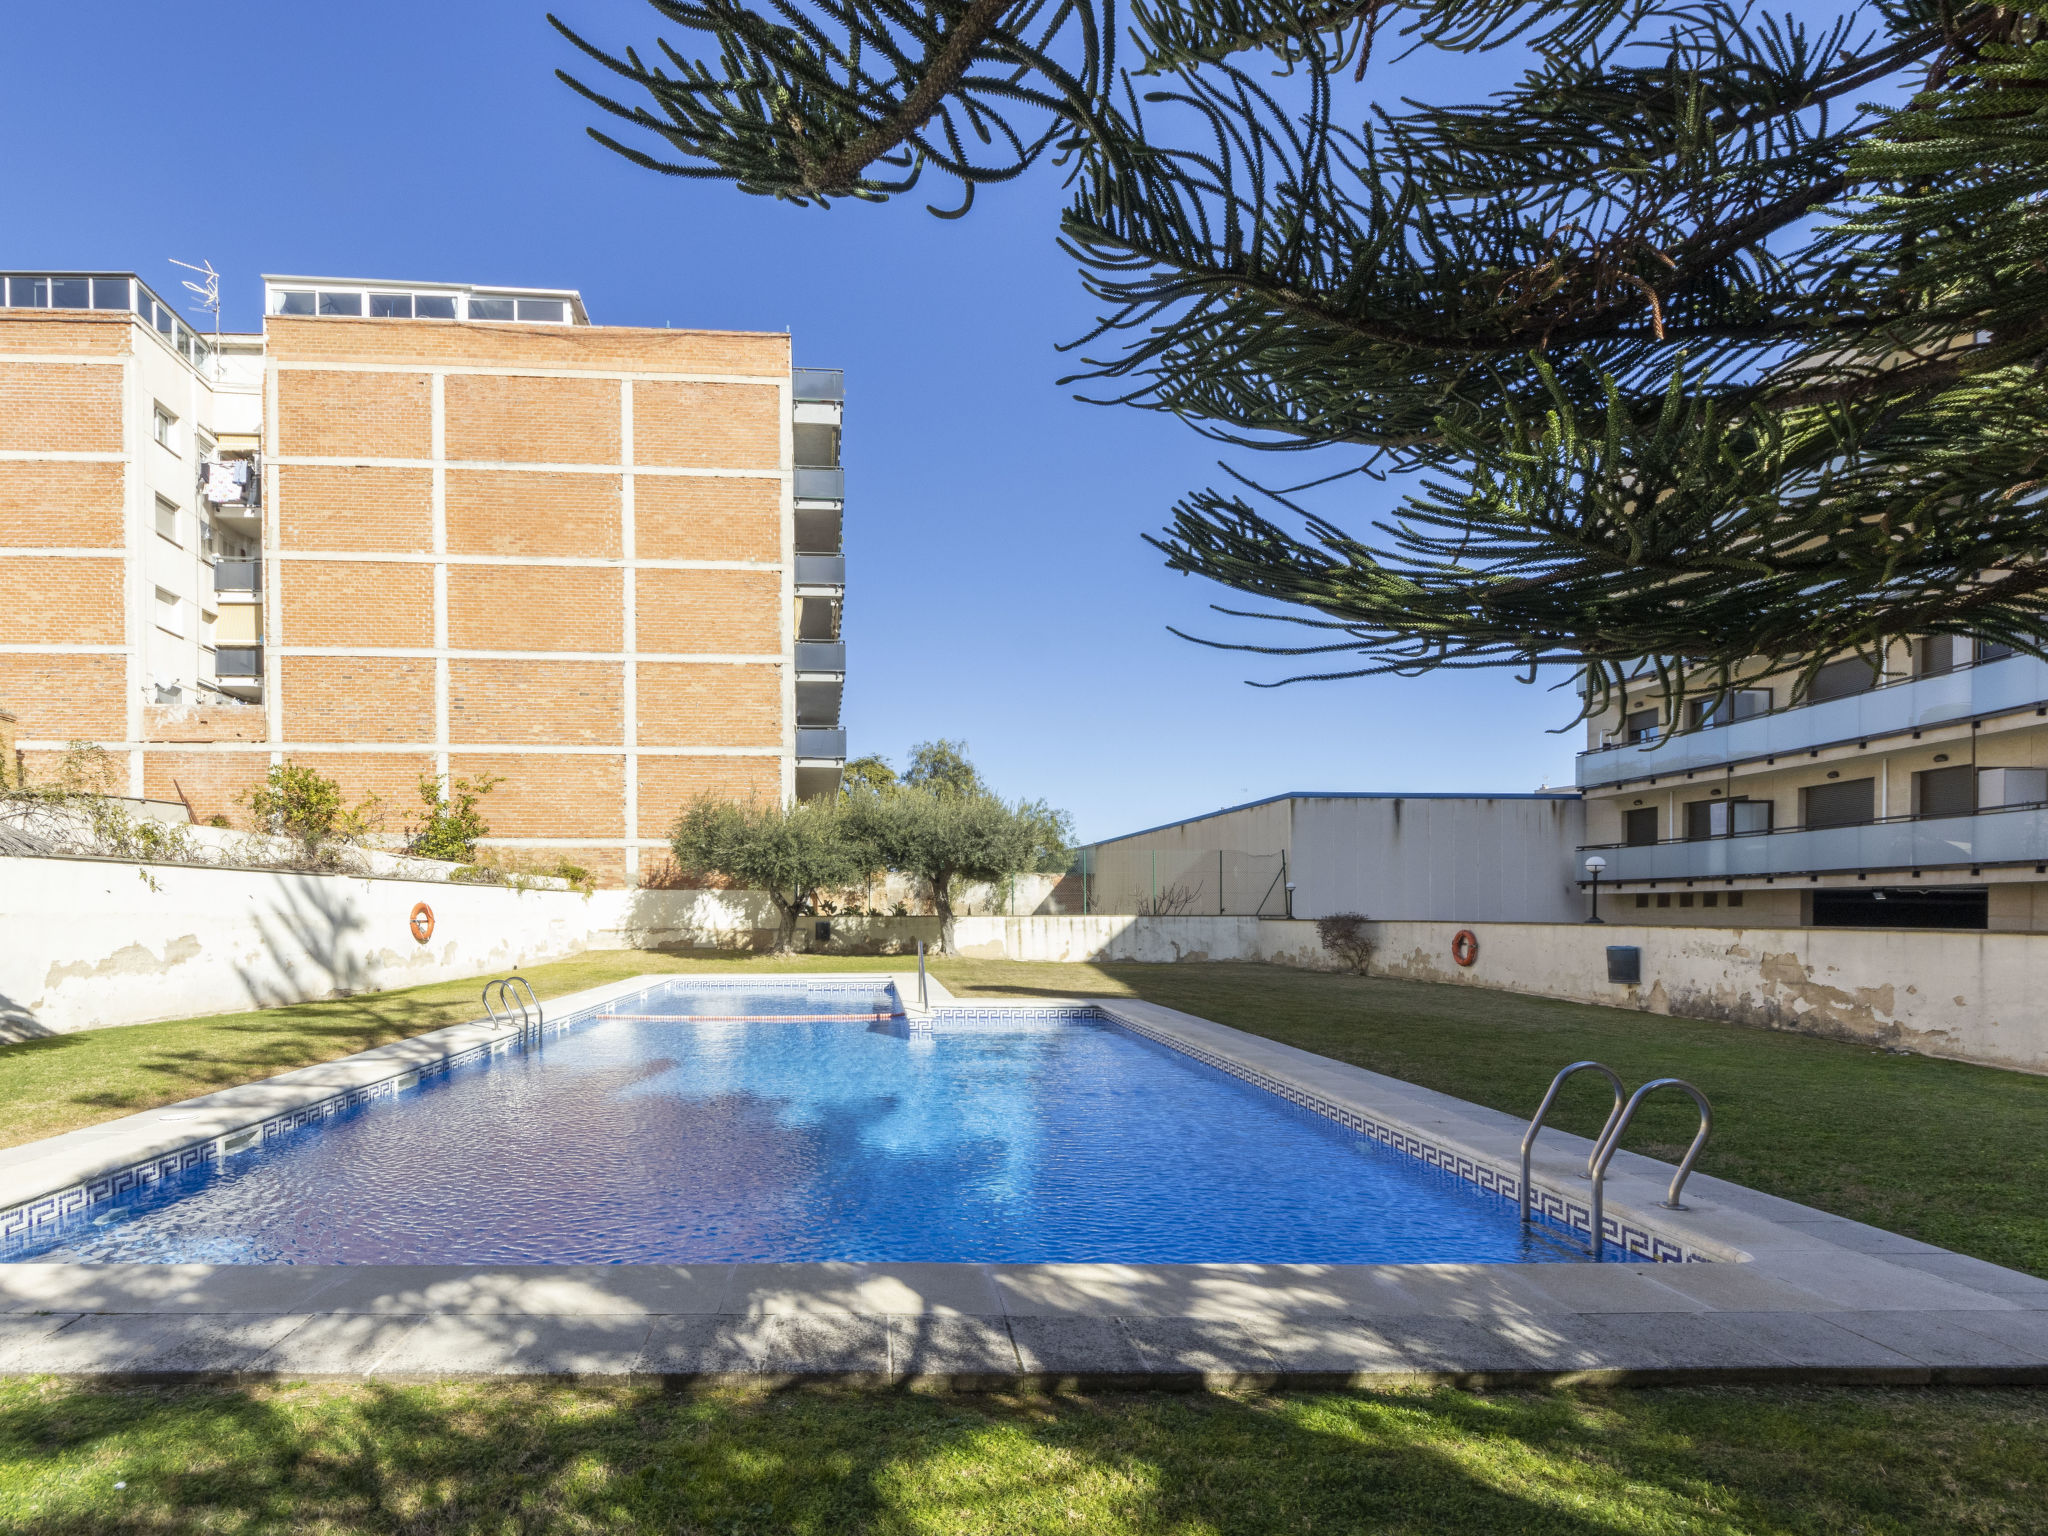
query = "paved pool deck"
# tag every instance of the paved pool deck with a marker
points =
(1791, 1294)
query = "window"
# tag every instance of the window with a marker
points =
(1735, 898)
(170, 613)
(433, 306)
(1937, 654)
(2000, 787)
(164, 428)
(390, 306)
(296, 303)
(1992, 650)
(1642, 901)
(552, 311)
(209, 537)
(1663, 898)
(1640, 726)
(29, 292)
(492, 309)
(1640, 827)
(341, 304)
(167, 519)
(1710, 899)
(1945, 792)
(1840, 679)
(1737, 704)
(1726, 818)
(1847, 804)
(71, 293)
(1685, 898)
(110, 293)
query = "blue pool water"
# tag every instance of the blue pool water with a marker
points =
(674, 1130)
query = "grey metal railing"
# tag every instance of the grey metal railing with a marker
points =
(238, 576)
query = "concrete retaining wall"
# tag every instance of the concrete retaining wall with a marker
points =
(86, 943)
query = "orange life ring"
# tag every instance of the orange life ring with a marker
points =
(422, 922)
(1465, 946)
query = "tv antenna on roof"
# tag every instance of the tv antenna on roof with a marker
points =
(208, 293)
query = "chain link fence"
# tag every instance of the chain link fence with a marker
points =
(1140, 881)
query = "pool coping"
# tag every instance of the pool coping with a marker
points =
(1796, 1294)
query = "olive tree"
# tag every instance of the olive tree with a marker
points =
(789, 853)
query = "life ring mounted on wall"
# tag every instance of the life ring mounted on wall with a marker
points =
(422, 922)
(1465, 946)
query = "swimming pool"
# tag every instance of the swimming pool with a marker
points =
(695, 1124)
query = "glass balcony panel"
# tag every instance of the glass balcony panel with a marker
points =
(821, 656)
(819, 383)
(238, 576)
(821, 743)
(820, 484)
(1997, 837)
(821, 570)
(2017, 682)
(235, 661)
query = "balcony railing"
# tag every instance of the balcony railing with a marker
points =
(826, 384)
(821, 570)
(233, 663)
(238, 576)
(2012, 834)
(1988, 688)
(821, 655)
(814, 743)
(814, 483)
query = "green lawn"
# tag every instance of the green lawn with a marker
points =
(533, 1458)
(1953, 1154)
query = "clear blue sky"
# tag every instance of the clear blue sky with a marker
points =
(998, 587)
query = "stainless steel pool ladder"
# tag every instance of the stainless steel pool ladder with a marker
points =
(529, 1016)
(1609, 1139)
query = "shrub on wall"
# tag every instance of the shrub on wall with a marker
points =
(452, 823)
(1346, 935)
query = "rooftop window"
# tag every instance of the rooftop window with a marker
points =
(389, 302)
(74, 290)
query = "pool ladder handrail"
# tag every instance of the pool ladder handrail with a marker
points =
(1543, 1110)
(525, 1020)
(1609, 1141)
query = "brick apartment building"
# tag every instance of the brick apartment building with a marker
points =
(418, 529)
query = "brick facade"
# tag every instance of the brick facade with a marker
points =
(420, 581)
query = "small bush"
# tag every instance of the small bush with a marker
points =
(1346, 936)
(307, 807)
(453, 823)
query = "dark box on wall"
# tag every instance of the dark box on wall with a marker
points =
(1624, 963)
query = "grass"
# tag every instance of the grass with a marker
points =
(538, 1458)
(1950, 1153)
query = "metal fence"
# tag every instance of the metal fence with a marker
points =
(1124, 878)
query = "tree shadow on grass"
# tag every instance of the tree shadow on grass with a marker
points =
(516, 1456)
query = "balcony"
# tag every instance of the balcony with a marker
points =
(818, 483)
(821, 570)
(2007, 835)
(821, 655)
(817, 744)
(822, 384)
(238, 578)
(1968, 693)
(238, 663)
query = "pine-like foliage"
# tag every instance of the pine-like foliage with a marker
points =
(1678, 351)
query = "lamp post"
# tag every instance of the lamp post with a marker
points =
(1593, 867)
(1290, 898)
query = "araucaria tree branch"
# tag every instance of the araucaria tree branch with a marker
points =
(1676, 350)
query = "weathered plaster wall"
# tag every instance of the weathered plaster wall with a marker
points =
(1974, 996)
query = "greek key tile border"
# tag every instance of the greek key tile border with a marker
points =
(1573, 1216)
